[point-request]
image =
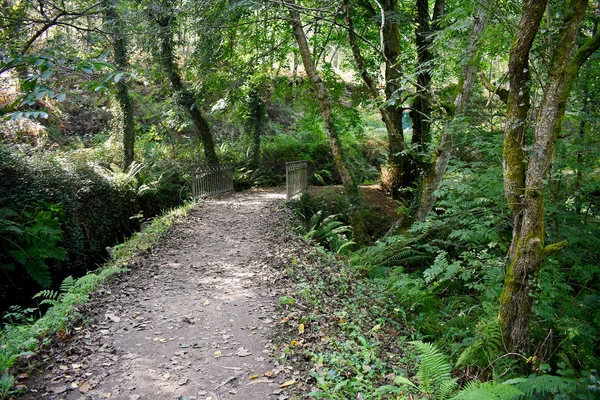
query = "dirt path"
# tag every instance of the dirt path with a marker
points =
(192, 321)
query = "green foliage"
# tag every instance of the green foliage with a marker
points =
(475, 390)
(485, 347)
(435, 372)
(6, 383)
(559, 387)
(30, 239)
(330, 232)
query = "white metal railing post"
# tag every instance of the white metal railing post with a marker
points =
(296, 178)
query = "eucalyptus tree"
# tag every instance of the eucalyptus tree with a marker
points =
(526, 163)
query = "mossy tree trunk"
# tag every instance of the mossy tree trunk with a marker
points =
(443, 152)
(185, 98)
(119, 44)
(524, 181)
(324, 99)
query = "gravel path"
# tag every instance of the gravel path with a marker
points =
(193, 320)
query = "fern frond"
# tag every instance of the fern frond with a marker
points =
(67, 284)
(487, 345)
(545, 384)
(46, 295)
(447, 388)
(434, 366)
(475, 390)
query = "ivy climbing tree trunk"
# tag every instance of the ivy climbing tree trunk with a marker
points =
(185, 98)
(524, 181)
(441, 157)
(324, 100)
(119, 44)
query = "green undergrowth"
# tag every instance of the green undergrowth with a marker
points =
(26, 332)
(375, 330)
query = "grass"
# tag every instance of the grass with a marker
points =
(26, 332)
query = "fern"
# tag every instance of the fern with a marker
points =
(434, 369)
(31, 243)
(539, 387)
(488, 344)
(434, 373)
(475, 390)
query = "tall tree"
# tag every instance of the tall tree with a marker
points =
(443, 152)
(324, 100)
(525, 174)
(114, 26)
(420, 114)
(402, 162)
(165, 19)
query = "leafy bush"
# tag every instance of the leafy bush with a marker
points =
(29, 239)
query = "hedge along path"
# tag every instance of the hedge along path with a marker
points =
(191, 321)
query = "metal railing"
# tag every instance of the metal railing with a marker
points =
(296, 178)
(211, 179)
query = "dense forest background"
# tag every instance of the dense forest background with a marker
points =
(478, 118)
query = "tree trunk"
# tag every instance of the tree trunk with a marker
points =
(119, 45)
(441, 157)
(402, 166)
(420, 113)
(256, 123)
(324, 100)
(525, 183)
(402, 163)
(185, 98)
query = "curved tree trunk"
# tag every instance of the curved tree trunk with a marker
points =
(324, 100)
(185, 98)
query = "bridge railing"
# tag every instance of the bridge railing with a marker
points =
(296, 178)
(211, 180)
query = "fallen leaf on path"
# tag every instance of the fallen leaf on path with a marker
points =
(242, 352)
(301, 329)
(287, 383)
(112, 317)
(218, 354)
(253, 377)
(206, 302)
(85, 387)
(254, 382)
